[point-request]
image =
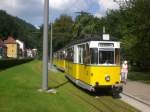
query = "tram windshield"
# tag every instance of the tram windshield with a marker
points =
(101, 56)
(106, 57)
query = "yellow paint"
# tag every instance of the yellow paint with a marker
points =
(99, 74)
(59, 63)
(12, 50)
(91, 74)
(72, 69)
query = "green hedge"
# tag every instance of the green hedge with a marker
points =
(6, 63)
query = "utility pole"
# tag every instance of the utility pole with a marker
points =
(45, 46)
(104, 30)
(51, 43)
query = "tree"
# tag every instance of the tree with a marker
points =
(62, 31)
(87, 24)
(18, 28)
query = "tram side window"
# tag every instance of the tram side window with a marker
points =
(80, 53)
(106, 57)
(61, 55)
(117, 56)
(70, 54)
(87, 54)
(94, 55)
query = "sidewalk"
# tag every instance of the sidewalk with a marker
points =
(138, 89)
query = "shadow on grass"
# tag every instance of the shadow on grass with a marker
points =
(59, 85)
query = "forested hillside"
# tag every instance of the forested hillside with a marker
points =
(18, 28)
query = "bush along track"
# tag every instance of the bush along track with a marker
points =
(6, 63)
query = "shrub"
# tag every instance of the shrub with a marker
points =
(6, 63)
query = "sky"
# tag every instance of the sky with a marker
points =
(32, 10)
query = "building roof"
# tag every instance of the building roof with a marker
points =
(10, 40)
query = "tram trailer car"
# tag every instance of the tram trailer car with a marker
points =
(92, 63)
(59, 59)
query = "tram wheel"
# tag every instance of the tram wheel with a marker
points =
(116, 92)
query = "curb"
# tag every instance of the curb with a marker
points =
(138, 99)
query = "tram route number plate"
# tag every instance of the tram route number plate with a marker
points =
(106, 45)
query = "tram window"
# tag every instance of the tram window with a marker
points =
(94, 55)
(87, 54)
(117, 56)
(80, 53)
(106, 57)
(70, 54)
(61, 55)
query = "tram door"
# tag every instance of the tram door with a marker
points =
(83, 68)
(69, 63)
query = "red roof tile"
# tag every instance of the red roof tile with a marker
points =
(10, 40)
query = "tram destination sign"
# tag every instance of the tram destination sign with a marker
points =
(106, 45)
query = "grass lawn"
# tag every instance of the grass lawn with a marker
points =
(139, 76)
(19, 93)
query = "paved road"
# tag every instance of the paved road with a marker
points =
(138, 105)
(140, 91)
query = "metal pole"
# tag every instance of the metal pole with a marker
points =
(104, 30)
(51, 47)
(45, 46)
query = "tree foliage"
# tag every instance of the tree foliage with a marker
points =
(130, 24)
(18, 28)
(62, 31)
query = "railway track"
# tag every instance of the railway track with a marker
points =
(95, 104)
(131, 100)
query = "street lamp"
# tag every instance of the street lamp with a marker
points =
(45, 46)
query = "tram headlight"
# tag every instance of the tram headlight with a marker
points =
(107, 78)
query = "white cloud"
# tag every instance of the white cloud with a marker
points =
(32, 10)
(97, 14)
(108, 4)
(104, 5)
(66, 6)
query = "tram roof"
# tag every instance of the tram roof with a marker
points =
(89, 37)
(86, 38)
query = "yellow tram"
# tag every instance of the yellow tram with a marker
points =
(91, 62)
